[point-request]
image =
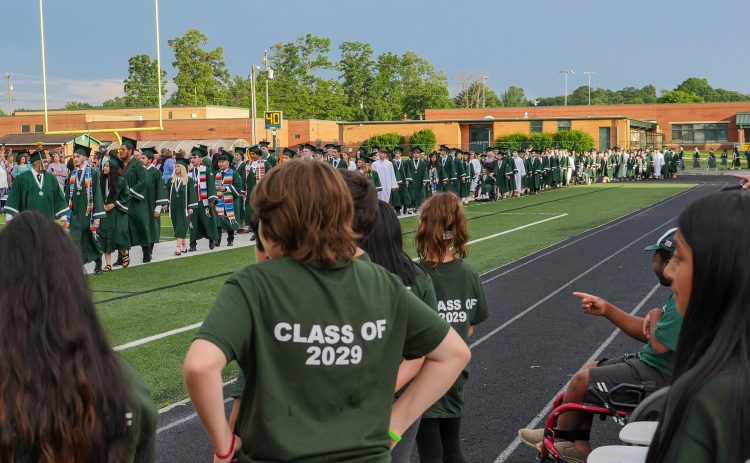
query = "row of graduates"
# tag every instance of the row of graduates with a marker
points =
(620, 165)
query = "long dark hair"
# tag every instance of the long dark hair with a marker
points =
(716, 330)
(384, 245)
(111, 179)
(62, 395)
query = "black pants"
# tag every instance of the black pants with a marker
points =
(439, 441)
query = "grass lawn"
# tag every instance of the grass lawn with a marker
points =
(162, 309)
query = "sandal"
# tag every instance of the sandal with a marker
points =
(125, 259)
(177, 252)
(107, 268)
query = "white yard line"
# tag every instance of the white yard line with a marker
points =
(547, 408)
(505, 232)
(561, 288)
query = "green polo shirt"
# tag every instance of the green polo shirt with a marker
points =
(320, 348)
(667, 333)
(461, 302)
(142, 416)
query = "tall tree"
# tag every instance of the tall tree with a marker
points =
(202, 77)
(356, 69)
(141, 89)
(73, 105)
(114, 103)
(680, 96)
(476, 93)
(424, 87)
(514, 97)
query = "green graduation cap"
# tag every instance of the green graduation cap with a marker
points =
(183, 162)
(241, 150)
(289, 152)
(416, 148)
(114, 162)
(263, 143)
(319, 151)
(37, 155)
(255, 149)
(83, 150)
(149, 152)
(307, 146)
(196, 151)
(129, 143)
(444, 148)
(224, 155)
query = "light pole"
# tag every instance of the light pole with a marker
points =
(252, 101)
(484, 90)
(589, 74)
(10, 93)
(567, 72)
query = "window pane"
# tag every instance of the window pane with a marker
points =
(24, 129)
(38, 128)
(563, 125)
(699, 136)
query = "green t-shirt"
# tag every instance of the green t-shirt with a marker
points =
(461, 302)
(319, 348)
(707, 425)
(667, 332)
(143, 417)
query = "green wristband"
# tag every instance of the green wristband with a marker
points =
(394, 437)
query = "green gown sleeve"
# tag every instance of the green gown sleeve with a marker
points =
(160, 191)
(98, 200)
(14, 204)
(192, 199)
(211, 186)
(139, 182)
(123, 195)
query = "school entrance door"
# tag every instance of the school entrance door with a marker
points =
(604, 138)
(480, 137)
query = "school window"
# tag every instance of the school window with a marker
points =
(535, 126)
(25, 129)
(700, 134)
(38, 128)
(297, 135)
(563, 125)
(747, 135)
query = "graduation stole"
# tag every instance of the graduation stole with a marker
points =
(260, 169)
(201, 183)
(87, 182)
(225, 205)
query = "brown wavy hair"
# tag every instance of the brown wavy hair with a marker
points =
(441, 216)
(305, 207)
(62, 397)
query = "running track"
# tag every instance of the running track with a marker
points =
(536, 337)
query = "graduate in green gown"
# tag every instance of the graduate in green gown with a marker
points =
(464, 179)
(396, 200)
(156, 195)
(138, 211)
(335, 152)
(36, 190)
(238, 165)
(86, 207)
(203, 220)
(228, 188)
(416, 178)
(255, 170)
(183, 200)
(448, 181)
(114, 234)
(267, 154)
(400, 169)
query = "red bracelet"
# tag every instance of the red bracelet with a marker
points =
(229, 453)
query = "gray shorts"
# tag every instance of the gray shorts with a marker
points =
(627, 369)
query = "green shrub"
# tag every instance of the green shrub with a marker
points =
(541, 141)
(425, 139)
(514, 141)
(385, 140)
(573, 140)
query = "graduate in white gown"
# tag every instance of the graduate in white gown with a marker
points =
(520, 172)
(386, 174)
(658, 163)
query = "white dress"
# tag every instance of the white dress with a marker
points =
(520, 173)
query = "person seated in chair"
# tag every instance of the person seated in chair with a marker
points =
(654, 364)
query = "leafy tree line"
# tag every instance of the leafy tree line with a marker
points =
(308, 84)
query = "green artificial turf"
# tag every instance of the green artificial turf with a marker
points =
(160, 310)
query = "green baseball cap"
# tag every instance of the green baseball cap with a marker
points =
(665, 243)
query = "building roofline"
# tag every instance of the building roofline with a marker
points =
(483, 120)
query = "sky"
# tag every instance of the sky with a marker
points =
(523, 43)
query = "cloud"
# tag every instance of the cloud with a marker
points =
(86, 91)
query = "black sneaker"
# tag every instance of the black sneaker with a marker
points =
(211, 244)
(192, 248)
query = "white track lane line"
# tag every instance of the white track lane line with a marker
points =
(166, 334)
(561, 288)
(547, 408)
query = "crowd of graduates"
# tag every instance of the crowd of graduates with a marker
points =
(113, 201)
